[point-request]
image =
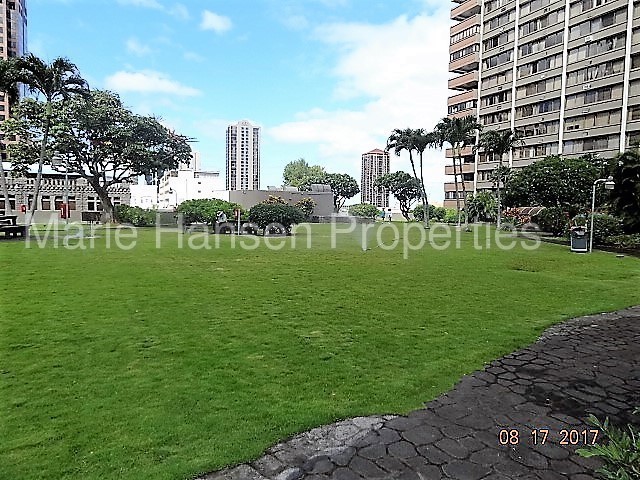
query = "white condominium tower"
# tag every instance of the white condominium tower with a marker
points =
(243, 157)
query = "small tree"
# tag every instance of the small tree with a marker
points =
(274, 216)
(365, 210)
(343, 186)
(404, 187)
(483, 207)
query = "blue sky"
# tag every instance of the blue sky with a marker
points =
(326, 80)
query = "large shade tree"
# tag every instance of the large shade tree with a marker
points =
(554, 182)
(499, 143)
(99, 139)
(404, 187)
(459, 133)
(625, 198)
(49, 83)
(9, 78)
(300, 174)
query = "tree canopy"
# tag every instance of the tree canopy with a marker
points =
(344, 187)
(300, 174)
(553, 182)
(404, 187)
(625, 198)
(97, 138)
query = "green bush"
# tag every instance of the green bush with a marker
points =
(624, 241)
(451, 216)
(604, 226)
(206, 210)
(276, 214)
(435, 213)
(136, 216)
(365, 210)
(621, 453)
(306, 206)
(483, 207)
(554, 220)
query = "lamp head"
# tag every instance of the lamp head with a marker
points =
(610, 184)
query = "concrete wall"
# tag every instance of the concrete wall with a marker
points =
(249, 198)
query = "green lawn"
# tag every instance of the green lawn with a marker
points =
(166, 363)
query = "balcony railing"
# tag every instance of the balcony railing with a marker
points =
(465, 81)
(466, 10)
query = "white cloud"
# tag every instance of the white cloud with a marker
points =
(193, 57)
(135, 47)
(215, 22)
(177, 10)
(142, 3)
(398, 73)
(148, 81)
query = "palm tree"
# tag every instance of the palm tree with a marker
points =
(9, 85)
(458, 132)
(499, 143)
(422, 140)
(58, 80)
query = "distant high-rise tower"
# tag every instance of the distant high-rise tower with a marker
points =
(374, 164)
(243, 156)
(13, 43)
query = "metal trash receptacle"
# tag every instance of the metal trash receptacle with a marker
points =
(579, 240)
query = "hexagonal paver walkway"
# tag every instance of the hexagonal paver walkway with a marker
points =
(522, 417)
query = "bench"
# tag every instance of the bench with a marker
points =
(9, 226)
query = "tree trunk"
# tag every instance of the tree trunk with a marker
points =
(5, 191)
(425, 203)
(464, 195)
(455, 179)
(105, 200)
(404, 209)
(498, 194)
(43, 153)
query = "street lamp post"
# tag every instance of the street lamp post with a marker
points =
(609, 184)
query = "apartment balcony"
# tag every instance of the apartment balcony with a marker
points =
(463, 113)
(451, 186)
(468, 23)
(465, 43)
(466, 81)
(465, 64)
(466, 168)
(466, 9)
(462, 98)
(466, 152)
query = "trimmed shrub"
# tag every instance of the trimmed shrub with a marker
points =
(306, 206)
(451, 216)
(604, 226)
(206, 210)
(276, 215)
(553, 220)
(136, 216)
(624, 241)
(435, 213)
(365, 210)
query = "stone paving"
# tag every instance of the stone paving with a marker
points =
(586, 365)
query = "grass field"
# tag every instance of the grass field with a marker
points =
(165, 363)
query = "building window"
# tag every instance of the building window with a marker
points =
(45, 202)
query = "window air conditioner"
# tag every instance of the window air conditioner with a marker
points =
(586, 110)
(588, 38)
(586, 86)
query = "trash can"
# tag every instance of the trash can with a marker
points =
(579, 240)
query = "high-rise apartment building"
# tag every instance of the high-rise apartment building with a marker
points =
(243, 157)
(565, 73)
(13, 38)
(374, 164)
